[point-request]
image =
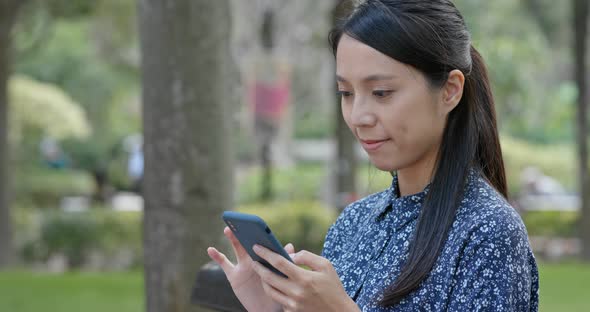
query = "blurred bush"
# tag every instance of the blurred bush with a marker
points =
(314, 126)
(555, 160)
(300, 183)
(551, 223)
(102, 239)
(72, 235)
(303, 223)
(95, 239)
(117, 173)
(44, 107)
(44, 187)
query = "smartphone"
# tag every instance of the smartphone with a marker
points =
(251, 230)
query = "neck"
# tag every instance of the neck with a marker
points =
(414, 178)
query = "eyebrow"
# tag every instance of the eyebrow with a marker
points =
(369, 78)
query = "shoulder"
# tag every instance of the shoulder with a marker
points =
(486, 218)
(496, 266)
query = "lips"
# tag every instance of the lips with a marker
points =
(372, 145)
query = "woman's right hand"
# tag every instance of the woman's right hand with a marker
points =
(244, 281)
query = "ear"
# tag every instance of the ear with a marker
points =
(452, 91)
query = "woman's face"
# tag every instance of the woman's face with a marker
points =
(389, 106)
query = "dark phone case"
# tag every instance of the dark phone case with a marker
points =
(250, 230)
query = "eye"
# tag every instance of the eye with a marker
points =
(343, 94)
(382, 93)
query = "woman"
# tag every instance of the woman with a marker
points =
(416, 94)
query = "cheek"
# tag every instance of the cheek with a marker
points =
(425, 132)
(414, 123)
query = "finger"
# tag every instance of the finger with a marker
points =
(269, 277)
(220, 259)
(277, 296)
(239, 251)
(313, 261)
(276, 260)
(289, 248)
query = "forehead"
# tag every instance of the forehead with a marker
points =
(355, 60)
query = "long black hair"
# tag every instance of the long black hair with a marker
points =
(431, 36)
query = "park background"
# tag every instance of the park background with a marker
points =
(232, 104)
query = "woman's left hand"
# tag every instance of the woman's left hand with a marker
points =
(317, 290)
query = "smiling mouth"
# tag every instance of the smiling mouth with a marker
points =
(372, 145)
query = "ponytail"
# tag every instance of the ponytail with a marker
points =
(489, 152)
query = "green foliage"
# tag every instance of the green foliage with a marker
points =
(555, 160)
(117, 172)
(42, 234)
(307, 182)
(302, 223)
(551, 223)
(45, 108)
(314, 126)
(45, 187)
(119, 229)
(534, 100)
(70, 59)
(115, 24)
(91, 155)
(72, 235)
(67, 60)
(70, 9)
(299, 183)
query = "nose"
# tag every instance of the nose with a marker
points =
(361, 115)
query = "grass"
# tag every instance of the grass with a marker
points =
(25, 291)
(564, 287)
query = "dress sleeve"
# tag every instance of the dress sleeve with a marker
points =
(497, 271)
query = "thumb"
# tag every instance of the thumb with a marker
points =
(313, 261)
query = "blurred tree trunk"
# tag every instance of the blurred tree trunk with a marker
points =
(8, 12)
(188, 177)
(580, 12)
(346, 163)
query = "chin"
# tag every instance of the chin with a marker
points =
(384, 165)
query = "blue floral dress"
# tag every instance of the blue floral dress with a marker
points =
(486, 263)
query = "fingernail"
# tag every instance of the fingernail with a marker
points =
(256, 248)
